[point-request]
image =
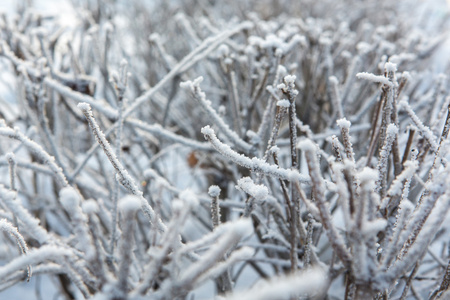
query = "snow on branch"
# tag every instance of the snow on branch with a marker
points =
(35, 256)
(424, 130)
(9, 199)
(122, 174)
(254, 164)
(258, 191)
(199, 53)
(309, 282)
(197, 94)
(36, 149)
(9, 228)
(159, 131)
(374, 78)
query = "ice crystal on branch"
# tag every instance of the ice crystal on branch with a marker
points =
(260, 150)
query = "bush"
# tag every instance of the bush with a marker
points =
(256, 150)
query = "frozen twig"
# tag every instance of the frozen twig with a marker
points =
(122, 175)
(194, 88)
(253, 164)
(317, 181)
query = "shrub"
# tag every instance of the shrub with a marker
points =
(277, 150)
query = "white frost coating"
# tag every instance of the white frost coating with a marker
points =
(99, 104)
(407, 76)
(207, 130)
(281, 70)
(406, 205)
(368, 175)
(189, 198)
(129, 204)
(160, 132)
(363, 47)
(199, 95)
(284, 288)
(214, 191)
(254, 164)
(12, 230)
(281, 86)
(223, 50)
(31, 223)
(343, 123)
(374, 78)
(278, 43)
(307, 145)
(290, 79)
(254, 138)
(371, 228)
(278, 52)
(258, 191)
(333, 80)
(177, 205)
(325, 41)
(392, 130)
(274, 150)
(284, 103)
(390, 67)
(34, 257)
(35, 148)
(83, 106)
(90, 207)
(70, 199)
(242, 227)
(424, 130)
(10, 156)
(239, 229)
(403, 104)
(410, 168)
(241, 254)
(189, 84)
(154, 37)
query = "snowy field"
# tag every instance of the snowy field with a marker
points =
(224, 149)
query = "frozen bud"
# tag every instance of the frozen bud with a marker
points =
(390, 67)
(90, 207)
(129, 204)
(70, 199)
(154, 37)
(343, 123)
(290, 79)
(258, 191)
(253, 137)
(189, 198)
(214, 191)
(392, 130)
(222, 110)
(10, 157)
(284, 103)
(223, 50)
(307, 145)
(368, 178)
(333, 80)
